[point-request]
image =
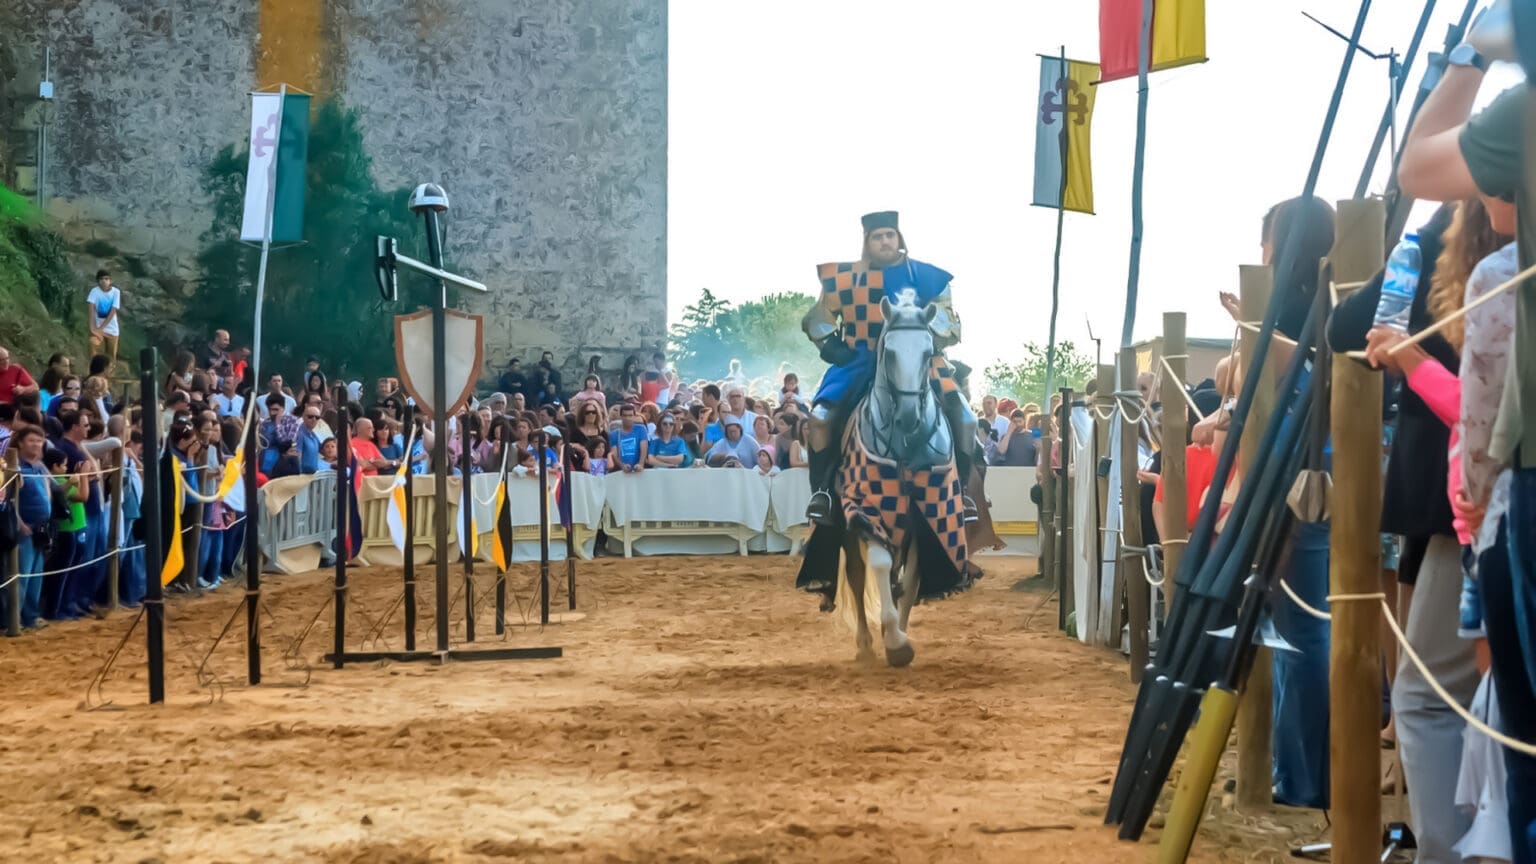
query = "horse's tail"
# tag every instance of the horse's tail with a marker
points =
(847, 609)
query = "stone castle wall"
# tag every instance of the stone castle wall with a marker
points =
(545, 120)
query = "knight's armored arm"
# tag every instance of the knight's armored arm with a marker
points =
(821, 327)
(946, 324)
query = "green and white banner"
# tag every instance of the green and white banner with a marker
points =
(274, 180)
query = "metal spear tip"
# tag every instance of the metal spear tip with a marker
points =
(429, 196)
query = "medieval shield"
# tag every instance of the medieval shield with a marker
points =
(462, 356)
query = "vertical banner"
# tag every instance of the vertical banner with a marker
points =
(1063, 143)
(279, 146)
(1178, 36)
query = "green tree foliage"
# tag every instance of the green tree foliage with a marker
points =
(1024, 381)
(321, 297)
(763, 334)
(36, 286)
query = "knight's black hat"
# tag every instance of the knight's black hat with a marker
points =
(882, 219)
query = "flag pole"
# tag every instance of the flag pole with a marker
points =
(1143, 59)
(1061, 214)
(266, 236)
(252, 535)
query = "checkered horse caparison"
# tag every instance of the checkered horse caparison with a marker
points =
(883, 497)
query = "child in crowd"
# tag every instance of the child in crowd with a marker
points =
(765, 462)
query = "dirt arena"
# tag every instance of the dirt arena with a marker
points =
(704, 712)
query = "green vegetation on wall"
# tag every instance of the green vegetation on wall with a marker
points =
(37, 316)
(321, 297)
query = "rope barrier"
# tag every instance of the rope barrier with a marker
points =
(1402, 639)
(1254, 326)
(1183, 387)
(71, 568)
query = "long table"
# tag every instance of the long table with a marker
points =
(695, 511)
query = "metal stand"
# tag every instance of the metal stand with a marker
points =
(429, 200)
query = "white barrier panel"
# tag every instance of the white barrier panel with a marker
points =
(1015, 518)
(686, 511)
(297, 521)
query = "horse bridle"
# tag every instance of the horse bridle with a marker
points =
(884, 437)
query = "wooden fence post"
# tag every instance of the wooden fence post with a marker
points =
(1255, 718)
(1354, 562)
(1138, 593)
(1175, 434)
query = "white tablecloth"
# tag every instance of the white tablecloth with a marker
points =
(734, 495)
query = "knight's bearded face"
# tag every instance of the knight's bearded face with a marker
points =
(883, 246)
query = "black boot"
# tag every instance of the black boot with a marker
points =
(820, 510)
(963, 463)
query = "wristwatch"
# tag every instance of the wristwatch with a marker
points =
(1466, 55)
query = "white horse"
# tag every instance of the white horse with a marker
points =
(898, 472)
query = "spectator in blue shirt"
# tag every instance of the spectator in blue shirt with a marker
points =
(735, 450)
(35, 507)
(308, 441)
(666, 449)
(629, 441)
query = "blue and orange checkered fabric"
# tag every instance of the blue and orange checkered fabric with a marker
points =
(883, 498)
(853, 292)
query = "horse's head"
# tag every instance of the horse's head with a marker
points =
(905, 355)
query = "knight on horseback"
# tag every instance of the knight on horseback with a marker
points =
(845, 325)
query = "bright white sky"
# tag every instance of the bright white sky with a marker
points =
(789, 120)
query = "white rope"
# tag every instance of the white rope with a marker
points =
(1512, 743)
(73, 567)
(1183, 388)
(1254, 327)
(502, 473)
(1451, 317)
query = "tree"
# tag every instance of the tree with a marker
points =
(1024, 381)
(321, 297)
(764, 335)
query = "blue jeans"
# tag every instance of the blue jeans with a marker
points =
(130, 569)
(92, 582)
(1509, 607)
(64, 563)
(234, 544)
(31, 586)
(210, 554)
(1301, 679)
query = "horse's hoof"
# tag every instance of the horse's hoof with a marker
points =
(865, 657)
(900, 657)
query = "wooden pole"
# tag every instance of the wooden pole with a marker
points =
(1138, 593)
(1046, 517)
(1255, 719)
(154, 551)
(543, 529)
(408, 557)
(343, 543)
(467, 524)
(13, 560)
(114, 527)
(1354, 560)
(1069, 601)
(1104, 402)
(252, 550)
(1175, 433)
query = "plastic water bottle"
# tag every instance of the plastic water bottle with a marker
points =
(1399, 283)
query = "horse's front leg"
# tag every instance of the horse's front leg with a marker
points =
(853, 559)
(910, 582)
(898, 649)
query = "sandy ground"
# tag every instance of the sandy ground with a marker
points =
(703, 712)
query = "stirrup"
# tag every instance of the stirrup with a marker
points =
(969, 505)
(819, 509)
